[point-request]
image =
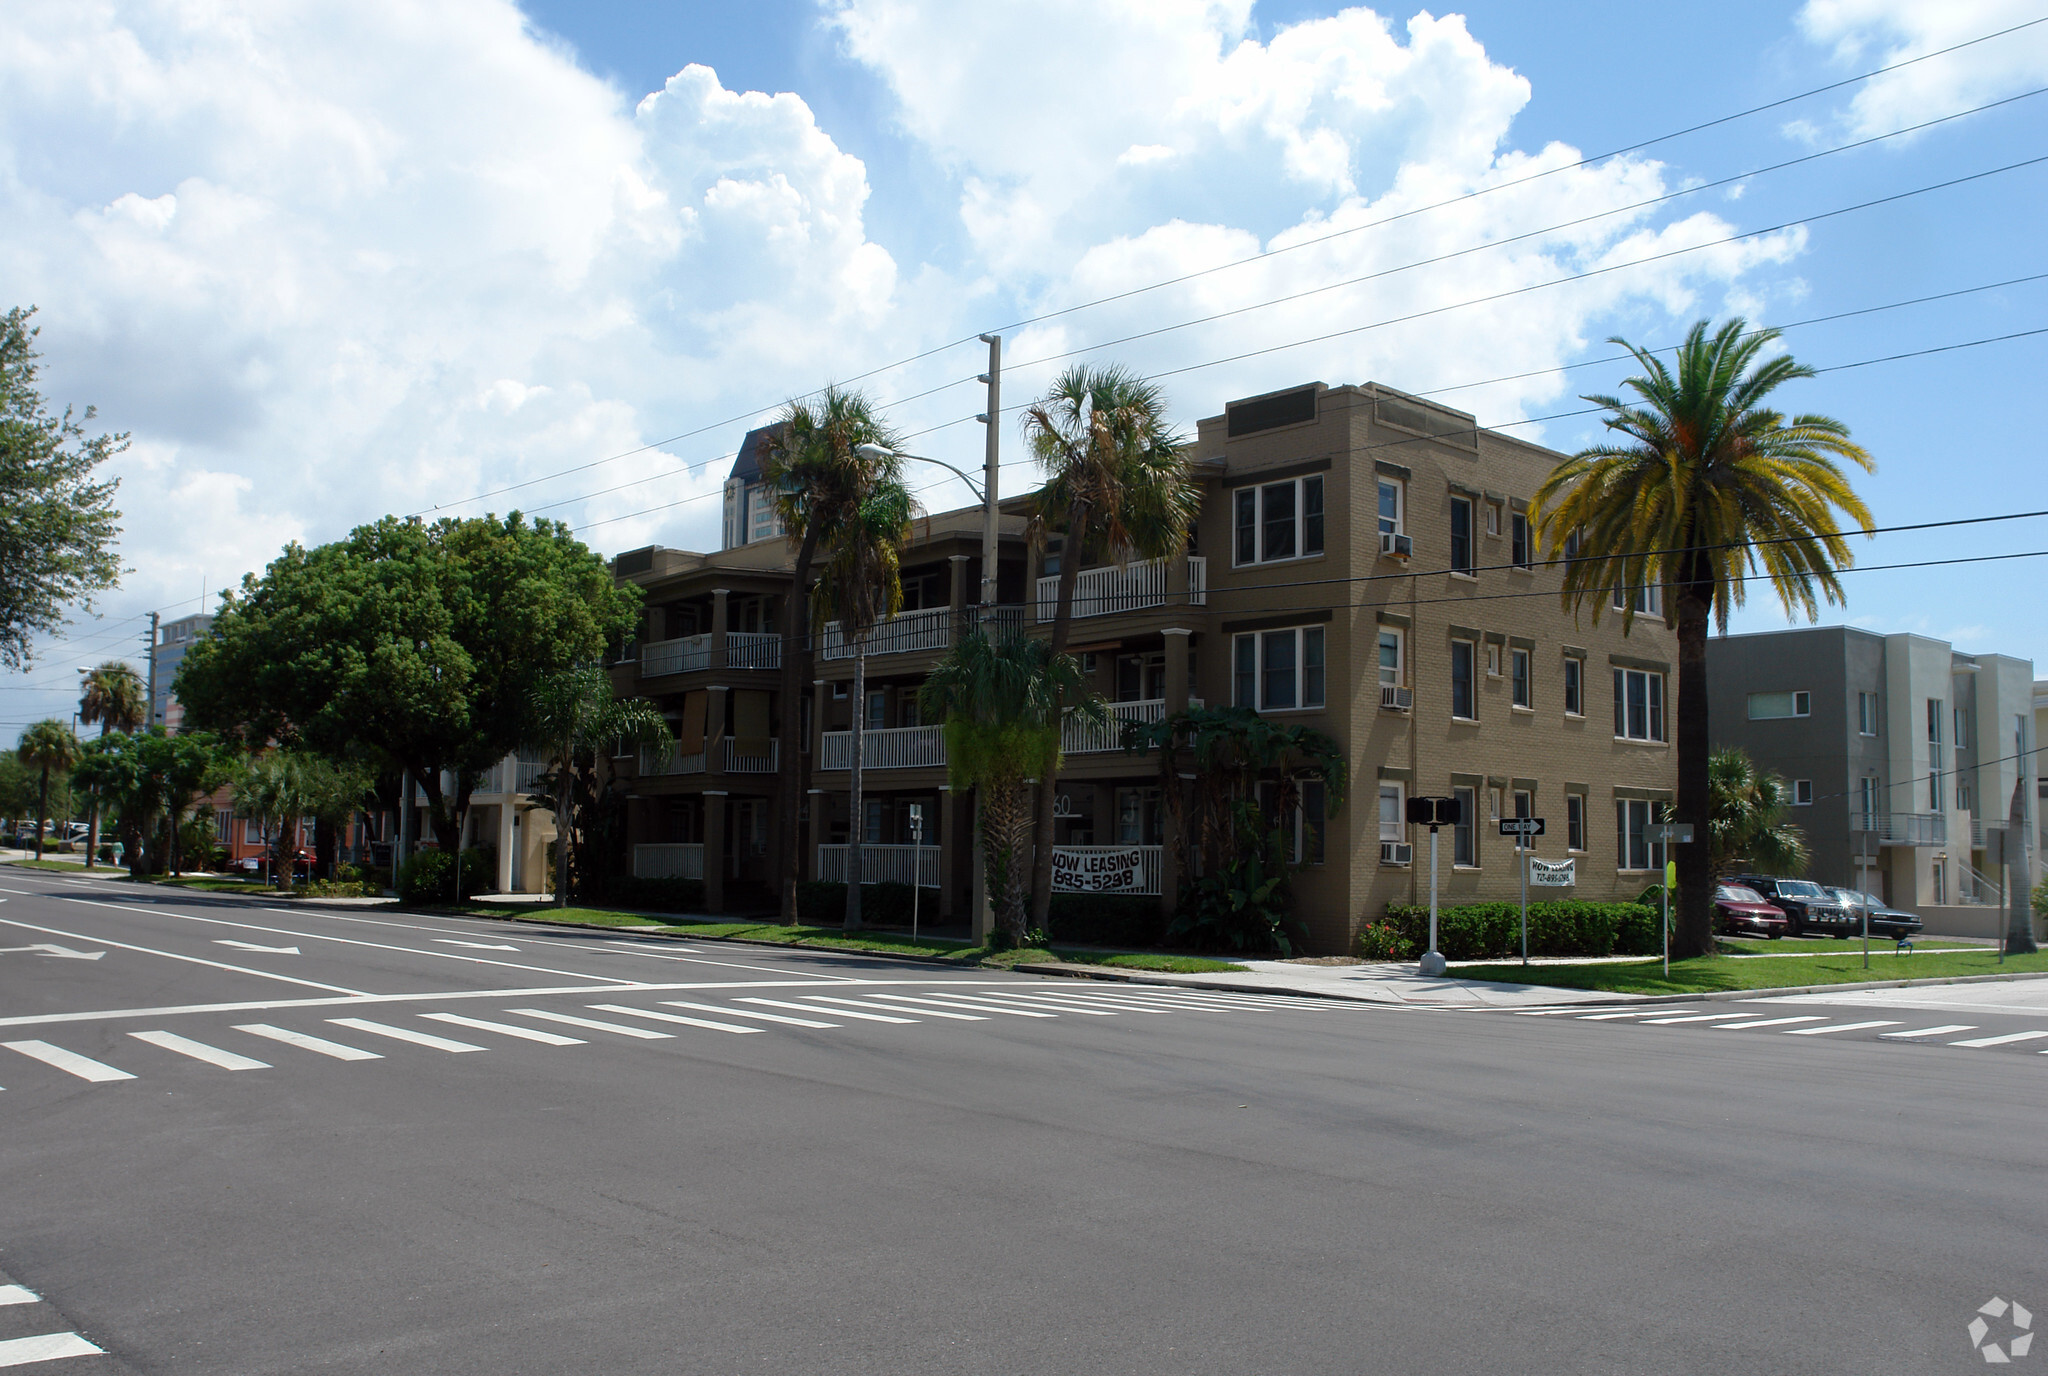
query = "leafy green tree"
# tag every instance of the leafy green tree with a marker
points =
(1000, 694)
(573, 716)
(46, 746)
(335, 791)
(154, 779)
(274, 792)
(116, 699)
(419, 644)
(1703, 485)
(1117, 482)
(1749, 824)
(821, 465)
(57, 525)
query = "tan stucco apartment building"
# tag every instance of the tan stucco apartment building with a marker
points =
(1363, 565)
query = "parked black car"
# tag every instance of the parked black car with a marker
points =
(1889, 923)
(1809, 908)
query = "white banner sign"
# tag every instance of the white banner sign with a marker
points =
(1552, 874)
(1098, 871)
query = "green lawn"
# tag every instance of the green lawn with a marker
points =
(68, 867)
(1714, 974)
(1794, 945)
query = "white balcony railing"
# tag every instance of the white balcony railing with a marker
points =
(1079, 737)
(894, 747)
(1103, 591)
(676, 860)
(753, 650)
(687, 655)
(929, 629)
(1904, 828)
(882, 864)
(512, 776)
(655, 761)
(1106, 869)
(737, 762)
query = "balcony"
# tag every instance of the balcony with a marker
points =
(930, 629)
(882, 864)
(692, 653)
(1079, 737)
(894, 747)
(512, 776)
(683, 860)
(750, 762)
(1903, 828)
(657, 761)
(753, 650)
(1108, 590)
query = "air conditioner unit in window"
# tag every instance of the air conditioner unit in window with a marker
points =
(1396, 546)
(1396, 853)
(1397, 699)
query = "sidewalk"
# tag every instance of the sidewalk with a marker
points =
(1374, 983)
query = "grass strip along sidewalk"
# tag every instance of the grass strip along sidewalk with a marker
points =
(1716, 974)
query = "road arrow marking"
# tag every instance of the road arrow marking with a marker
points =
(252, 946)
(474, 945)
(61, 952)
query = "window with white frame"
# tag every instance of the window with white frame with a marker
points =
(1304, 828)
(1574, 686)
(1461, 535)
(1802, 793)
(1866, 714)
(873, 813)
(1493, 518)
(1647, 600)
(1962, 728)
(1867, 795)
(1635, 850)
(1965, 797)
(878, 709)
(1574, 821)
(1492, 660)
(1525, 803)
(1465, 835)
(1464, 694)
(1139, 821)
(1393, 810)
(1518, 666)
(1638, 705)
(1777, 706)
(1521, 548)
(1934, 721)
(1278, 671)
(1393, 501)
(1934, 791)
(1277, 521)
(1390, 657)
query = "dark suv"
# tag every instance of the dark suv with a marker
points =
(1809, 907)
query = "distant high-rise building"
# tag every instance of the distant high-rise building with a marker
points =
(174, 638)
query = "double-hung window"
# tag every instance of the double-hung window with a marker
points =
(1520, 553)
(1866, 714)
(1574, 687)
(1465, 835)
(1638, 705)
(1518, 663)
(1278, 521)
(1464, 699)
(1635, 850)
(1390, 507)
(1934, 721)
(1574, 821)
(1390, 657)
(1934, 790)
(1393, 811)
(1461, 535)
(1278, 671)
(1645, 601)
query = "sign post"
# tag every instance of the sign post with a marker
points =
(1522, 829)
(1678, 833)
(916, 844)
(1433, 813)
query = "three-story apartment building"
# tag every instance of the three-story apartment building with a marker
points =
(1363, 564)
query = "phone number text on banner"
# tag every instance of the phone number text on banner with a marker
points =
(1099, 871)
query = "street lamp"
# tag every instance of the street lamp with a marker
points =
(984, 492)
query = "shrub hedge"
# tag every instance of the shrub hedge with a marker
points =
(429, 877)
(1484, 931)
(1105, 919)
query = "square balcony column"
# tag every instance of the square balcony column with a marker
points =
(949, 832)
(716, 706)
(721, 621)
(714, 850)
(1178, 640)
(957, 593)
(820, 808)
(506, 839)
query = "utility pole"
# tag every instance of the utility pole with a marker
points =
(992, 460)
(152, 667)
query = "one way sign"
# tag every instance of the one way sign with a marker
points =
(1521, 826)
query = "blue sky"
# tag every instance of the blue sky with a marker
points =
(325, 266)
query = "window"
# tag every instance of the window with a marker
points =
(1634, 849)
(878, 707)
(1934, 721)
(1773, 706)
(224, 825)
(1390, 658)
(1866, 802)
(1574, 687)
(1276, 671)
(1141, 678)
(1937, 878)
(839, 691)
(1308, 823)
(1802, 793)
(1638, 705)
(1393, 811)
(1866, 713)
(1525, 803)
(1964, 799)
(1463, 703)
(873, 810)
(1934, 791)
(1646, 601)
(1962, 728)
(1520, 553)
(252, 834)
(1493, 518)
(1461, 535)
(1493, 813)
(1574, 821)
(1280, 520)
(1139, 821)
(1465, 835)
(1391, 502)
(1519, 663)
(1493, 661)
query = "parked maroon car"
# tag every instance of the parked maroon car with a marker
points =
(1743, 912)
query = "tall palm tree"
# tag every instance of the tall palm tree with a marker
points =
(863, 585)
(1702, 486)
(573, 712)
(819, 475)
(274, 792)
(1000, 694)
(1118, 481)
(114, 697)
(46, 746)
(1748, 824)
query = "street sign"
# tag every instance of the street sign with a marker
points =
(1552, 874)
(1521, 826)
(1434, 812)
(1679, 832)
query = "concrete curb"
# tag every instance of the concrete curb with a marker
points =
(1110, 972)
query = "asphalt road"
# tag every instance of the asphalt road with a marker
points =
(223, 1155)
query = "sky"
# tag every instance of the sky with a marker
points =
(325, 263)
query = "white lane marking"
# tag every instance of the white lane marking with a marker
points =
(1609, 1017)
(1548, 1012)
(200, 1051)
(252, 946)
(1940, 1031)
(475, 945)
(403, 1034)
(837, 1013)
(956, 1002)
(172, 955)
(1839, 1027)
(44, 1347)
(51, 948)
(922, 1012)
(18, 1294)
(1692, 1017)
(1766, 1022)
(745, 1013)
(1250, 1002)
(1071, 1002)
(307, 1042)
(69, 1062)
(645, 1034)
(2002, 1041)
(671, 1017)
(530, 1034)
(1066, 1005)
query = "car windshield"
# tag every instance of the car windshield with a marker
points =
(1735, 893)
(1800, 888)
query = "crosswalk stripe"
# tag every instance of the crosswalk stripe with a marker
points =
(1692, 1017)
(837, 1013)
(594, 1024)
(1610, 1017)
(70, 1062)
(307, 1042)
(671, 1017)
(922, 1012)
(403, 1034)
(1838, 1027)
(1072, 1001)
(530, 1034)
(1167, 998)
(200, 1051)
(747, 1013)
(45, 1347)
(18, 1294)
(1548, 1012)
(1036, 1001)
(1940, 1031)
(1767, 1022)
(958, 1001)
(2002, 1041)
(1263, 1002)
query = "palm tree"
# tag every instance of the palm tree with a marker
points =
(861, 586)
(573, 712)
(115, 698)
(818, 473)
(1117, 480)
(274, 792)
(1703, 485)
(46, 746)
(1001, 694)
(1747, 825)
